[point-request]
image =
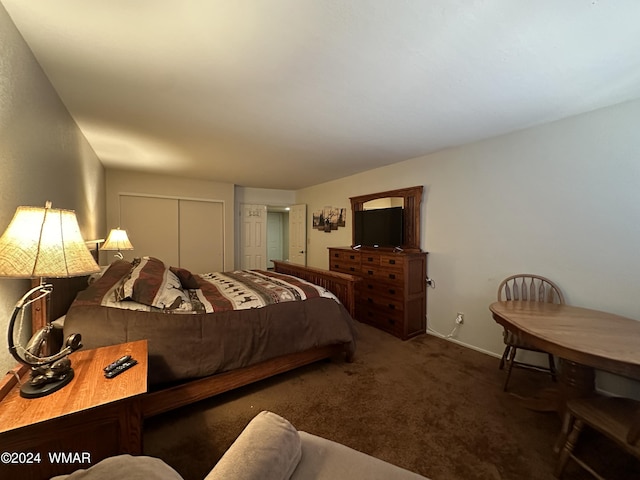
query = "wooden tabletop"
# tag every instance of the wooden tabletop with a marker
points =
(88, 389)
(590, 337)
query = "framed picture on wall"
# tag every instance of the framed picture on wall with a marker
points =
(329, 218)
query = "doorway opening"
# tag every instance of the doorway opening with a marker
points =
(277, 234)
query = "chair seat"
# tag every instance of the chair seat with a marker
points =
(608, 415)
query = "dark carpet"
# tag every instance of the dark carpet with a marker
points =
(426, 404)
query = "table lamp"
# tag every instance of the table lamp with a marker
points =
(43, 243)
(117, 240)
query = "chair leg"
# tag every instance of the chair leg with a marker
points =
(552, 367)
(510, 362)
(504, 357)
(567, 425)
(568, 447)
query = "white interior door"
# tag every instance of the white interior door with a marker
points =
(253, 234)
(298, 234)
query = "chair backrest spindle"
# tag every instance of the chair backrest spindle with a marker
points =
(507, 291)
(528, 287)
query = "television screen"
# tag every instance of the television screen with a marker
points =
(379, 228)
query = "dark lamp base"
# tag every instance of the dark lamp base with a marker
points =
(36, 391)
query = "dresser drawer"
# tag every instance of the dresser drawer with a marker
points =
(345, 267)
(369, 259)
(345, 255)
(387, 289)
(390, 261)
(390, 321)
(344, 261)
(383, 274)
(386, 304)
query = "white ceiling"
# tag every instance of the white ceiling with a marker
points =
(292, 93)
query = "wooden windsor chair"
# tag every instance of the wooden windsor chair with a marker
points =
(532, 288)
(617, 418)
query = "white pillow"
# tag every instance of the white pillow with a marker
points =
(125, 467)
(268, 448)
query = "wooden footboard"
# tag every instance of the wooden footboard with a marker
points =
(340, 284)
(160, 401)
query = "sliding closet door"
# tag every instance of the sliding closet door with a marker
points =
(201, 236)
(152, 226)
(181, 233)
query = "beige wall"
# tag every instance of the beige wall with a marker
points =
(119, 181)
(561, 200)
(43, 156)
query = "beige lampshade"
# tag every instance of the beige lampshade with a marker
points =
(44, 242)
(117, 240)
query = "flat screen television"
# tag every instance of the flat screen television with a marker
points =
(381, 227)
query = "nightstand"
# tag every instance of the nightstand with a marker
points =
(86, 421)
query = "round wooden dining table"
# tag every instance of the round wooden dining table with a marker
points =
(584, 340)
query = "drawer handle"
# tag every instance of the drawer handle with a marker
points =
(391, 321)
(370, 300)
(392, 291)
(370, 287)
(392, 262)
(392, 307)
(352, 269)
(370, 259)
(369, 272)
(352, 257)
(336, 255)
(392, 276)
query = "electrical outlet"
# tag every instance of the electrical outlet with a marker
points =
(460, 318)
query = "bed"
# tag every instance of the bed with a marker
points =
(203, 346)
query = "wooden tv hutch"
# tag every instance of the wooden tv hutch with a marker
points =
(393, 292)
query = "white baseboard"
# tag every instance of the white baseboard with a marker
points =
(629, 391)
(458, 342)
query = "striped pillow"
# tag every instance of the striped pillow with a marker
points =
(152, 283)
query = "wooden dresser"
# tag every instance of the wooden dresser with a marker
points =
(392, 293)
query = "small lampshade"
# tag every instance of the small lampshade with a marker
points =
(117, 240)
(44, 242)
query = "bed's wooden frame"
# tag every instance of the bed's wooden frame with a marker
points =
(340, 284)
(159, 401)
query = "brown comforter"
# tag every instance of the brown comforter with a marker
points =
(192, 345)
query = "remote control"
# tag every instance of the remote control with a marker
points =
(120, 361)
(120, 368)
